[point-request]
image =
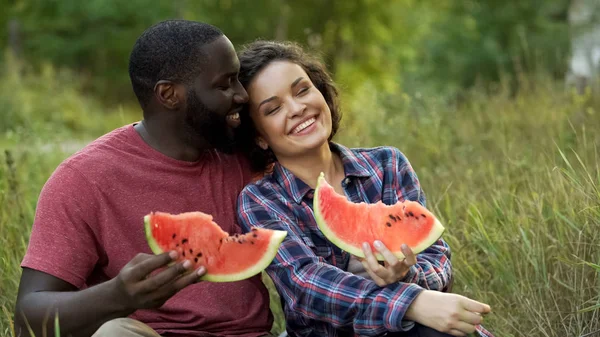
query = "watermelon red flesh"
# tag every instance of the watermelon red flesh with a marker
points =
(348, 225)
(201, 241)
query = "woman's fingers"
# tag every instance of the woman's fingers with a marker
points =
(389, 257)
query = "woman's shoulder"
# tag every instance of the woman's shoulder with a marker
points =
(378, 154)
(262, 188)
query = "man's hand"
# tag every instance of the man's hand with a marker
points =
(449, 313)
(393, 270)
(140, 285)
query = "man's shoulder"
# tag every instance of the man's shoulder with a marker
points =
(105, 151)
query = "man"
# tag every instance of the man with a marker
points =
(88, 258)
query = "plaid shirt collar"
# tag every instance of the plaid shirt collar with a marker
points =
(354, 166)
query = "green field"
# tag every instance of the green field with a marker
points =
(515, 178)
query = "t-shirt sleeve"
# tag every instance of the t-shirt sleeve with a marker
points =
(62, 241)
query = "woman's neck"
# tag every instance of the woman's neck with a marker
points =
(308, 167)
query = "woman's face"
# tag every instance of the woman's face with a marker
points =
(289, 112)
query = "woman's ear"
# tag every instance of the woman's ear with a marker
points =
(262, 143)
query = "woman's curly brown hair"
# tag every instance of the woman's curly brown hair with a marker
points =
(256, 56)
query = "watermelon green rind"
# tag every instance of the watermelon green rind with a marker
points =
(323, 224)
(435, 233)
(151, 242)
(276, 240)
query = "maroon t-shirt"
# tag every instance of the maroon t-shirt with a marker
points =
(89, 224)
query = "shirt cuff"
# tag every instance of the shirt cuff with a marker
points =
(399, 306)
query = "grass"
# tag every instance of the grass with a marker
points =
(514, 177)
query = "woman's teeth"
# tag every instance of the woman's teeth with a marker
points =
(304, 125)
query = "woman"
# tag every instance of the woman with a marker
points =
(287, 127)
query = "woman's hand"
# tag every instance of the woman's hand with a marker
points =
(449, 313)
(393, 269)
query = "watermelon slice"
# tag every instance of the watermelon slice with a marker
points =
(198, 239)
(348, 225)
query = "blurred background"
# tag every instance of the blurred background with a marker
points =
(495, 103)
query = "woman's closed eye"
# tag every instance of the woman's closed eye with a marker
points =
(303, 91)
(272, 110)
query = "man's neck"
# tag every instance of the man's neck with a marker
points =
(168, 139)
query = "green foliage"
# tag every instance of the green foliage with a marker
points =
(516, 180)
(50, 102)
(478, 42)
(416, 45)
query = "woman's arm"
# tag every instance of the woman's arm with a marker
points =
(433, 269)
(313, 290)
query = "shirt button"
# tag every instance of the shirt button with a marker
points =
(347, 181)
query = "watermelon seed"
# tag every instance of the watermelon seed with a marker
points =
(254, 235)
(191, 251)
(177, 245)
(184, 241)
(254, 229)
(423, 215)
(221, 240)
(392, 217)
(199, 255)
(388, 224)
(174, 235)
(196, 260)
(240, 242)
(183, 253)
(252, 242)
(411, 213)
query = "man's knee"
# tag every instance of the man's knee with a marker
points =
(125, 327)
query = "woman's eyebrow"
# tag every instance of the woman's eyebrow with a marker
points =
(295, 83)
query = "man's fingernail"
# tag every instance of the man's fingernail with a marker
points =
(378, 244)
(187, 264)
(173, 254)
(201, 271)
(365, 245)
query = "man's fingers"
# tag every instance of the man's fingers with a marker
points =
(409, 257)
(151, 263)
(475, 306)
(188, 279)
(390, 258)
(161, 295)
(166, 276)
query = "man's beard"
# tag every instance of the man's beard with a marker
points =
(206, 127)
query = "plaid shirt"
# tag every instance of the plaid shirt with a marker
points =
(320, 298)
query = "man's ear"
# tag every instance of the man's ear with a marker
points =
(169, 94)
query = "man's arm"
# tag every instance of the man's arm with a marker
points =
(82, 312)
